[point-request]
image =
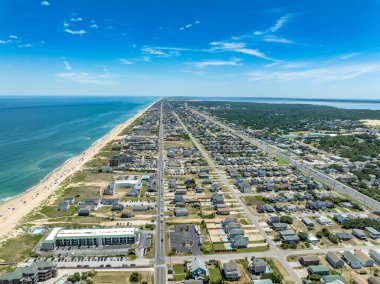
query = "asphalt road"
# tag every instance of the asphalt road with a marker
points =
(160, 257)
(336, 185)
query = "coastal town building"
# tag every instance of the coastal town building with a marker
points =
(78, 237)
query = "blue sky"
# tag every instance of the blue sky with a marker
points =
(304, 48)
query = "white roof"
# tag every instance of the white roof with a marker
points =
(103, 232)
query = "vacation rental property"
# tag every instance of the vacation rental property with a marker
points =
(35, 272)
(89, 237)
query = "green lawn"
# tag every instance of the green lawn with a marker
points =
(282, 162)
(252, 249)
(179, 277)
(18, 248)
(215, 275)
(219, 247)
(179, 269)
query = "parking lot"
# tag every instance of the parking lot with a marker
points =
(183, 239)
(95, 261)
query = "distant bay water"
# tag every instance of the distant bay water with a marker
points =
(339, 103)
(37, 134)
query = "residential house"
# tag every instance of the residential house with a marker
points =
(230, 271)
(375, 255)
(334, 260)
(258, 266)
(318, 269)
(352, 260)
(343, 236)
(359, 234)
(197, 269)
(365, 258)
(373, 233)
(309, 260)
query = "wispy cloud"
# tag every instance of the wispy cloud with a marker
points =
(45, 3)
(79, 32)
(26, 45)
(189, 26)
(93, 26)
(280, 22)
(348, 55)
(13, 37)
(207, 63)
(76, 19)
(278, 25)
(319, 75)
(158, 52)
(67, 65)
(238, 47)
(273, 38)
(126, 61)
(86, 78)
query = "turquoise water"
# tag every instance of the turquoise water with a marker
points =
(39, 133)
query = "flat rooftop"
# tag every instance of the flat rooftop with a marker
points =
(96, 233)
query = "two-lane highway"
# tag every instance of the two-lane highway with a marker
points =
(160, 257)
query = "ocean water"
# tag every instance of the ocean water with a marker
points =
(339, 103)
(37, 134)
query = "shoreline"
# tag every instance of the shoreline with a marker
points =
(14, 209)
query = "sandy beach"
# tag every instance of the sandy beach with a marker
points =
(13, 210)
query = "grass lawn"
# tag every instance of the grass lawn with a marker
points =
(18, 248)
(179, 277)
(244, 222)
(253, 200)
(219, 247)
(120, 277)
(215, 275)
(282, 162)
(252, 249)
(179, 269)
(207, 248)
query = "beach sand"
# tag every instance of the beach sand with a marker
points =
(371, 122)
(13, 210)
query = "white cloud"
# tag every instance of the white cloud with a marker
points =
(239, 47)
(222, 45)
(348, 55)
(86, 78)
(152, 51)
(67, 65)
(80, 32)
(93, 26)
(24, 45)
(126, 61)
(272, 38)
(254, 52)
(13, 36)
(2, 41)
(45, 3)
(278, 25)
(76, 19)
(203, 64)
(158, 52)
(280, 22)
(320, 75)
(188, 26)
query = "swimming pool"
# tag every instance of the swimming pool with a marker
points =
(37, 230)
(229, 247)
